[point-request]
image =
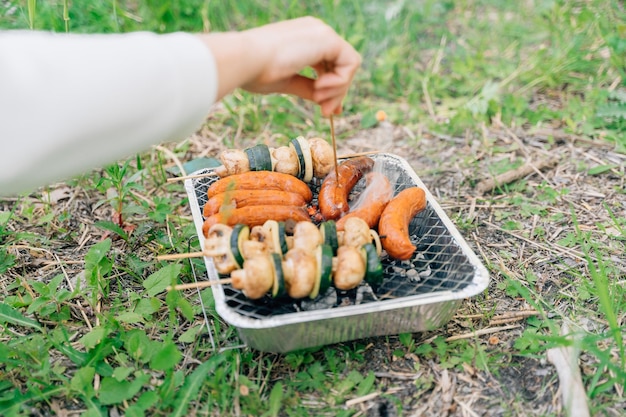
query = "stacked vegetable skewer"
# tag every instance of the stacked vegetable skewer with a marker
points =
(266, 258)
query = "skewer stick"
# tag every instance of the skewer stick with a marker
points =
(186, 177)
(198, 285)
(175, 256)
(357, 154)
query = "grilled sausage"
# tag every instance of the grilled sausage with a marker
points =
(255, 216)
(393, 226)
(243, 198)
(261, 180)
(375, 197)
(333, 195)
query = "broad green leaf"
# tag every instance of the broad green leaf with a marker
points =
(612, 110)
(365, 386)
(96, 254)
(37, 304)
(129, 317)
(190, 335)
(148, 306)
(121, 373)
(193, 383)
(61, 342)
(112, 227)
(10, 315)
(6, 260)
(5, 216)
(161, 279)
(113, 391)
(47, 218)
(138, 345)
(82, 381)
(93, 337)
(40, 288)
(185, 308)
(166, 358)
(601, 169)
(97, 266)
(145, 401)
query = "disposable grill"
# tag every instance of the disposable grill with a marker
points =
(416, 295)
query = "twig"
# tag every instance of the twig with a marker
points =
(513, 316)
(175, 256)
(397, 375)
(362, 399)
(480, 332)
(507, 177)
(198, 285)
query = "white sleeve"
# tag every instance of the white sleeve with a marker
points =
(71, 103)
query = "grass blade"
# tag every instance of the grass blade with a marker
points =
(193, 383)
(10, 315)
(31, 13)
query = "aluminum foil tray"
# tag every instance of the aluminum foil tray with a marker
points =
(416, 295)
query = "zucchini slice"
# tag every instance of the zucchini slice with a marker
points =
(240, 233)
(329, 234)
(298, 149)
(323, 278)
(278, 288)
(277, 232)
(308, 158)
(373, 268)
(259, 158)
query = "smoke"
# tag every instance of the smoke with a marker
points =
(377, 187)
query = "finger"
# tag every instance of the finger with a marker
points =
(331, 106)
(326, 94)
(300, 86)
(333, 79)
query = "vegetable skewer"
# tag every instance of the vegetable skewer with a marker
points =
(265, 259)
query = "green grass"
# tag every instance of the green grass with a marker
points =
(116, 339)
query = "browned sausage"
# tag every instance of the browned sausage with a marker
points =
(375, 197)
(243, 198)
(256, 216)
(333, 195)
(393, 226)
(261, 180)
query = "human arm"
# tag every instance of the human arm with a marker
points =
(69, 103)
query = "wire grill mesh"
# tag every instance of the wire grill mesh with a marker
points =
(438, 265)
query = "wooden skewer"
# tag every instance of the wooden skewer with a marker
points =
(186, 177)
(175, 256)
(213, 173)
(198, 285)
(357, 154)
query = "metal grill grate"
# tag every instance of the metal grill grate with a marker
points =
(439, 265)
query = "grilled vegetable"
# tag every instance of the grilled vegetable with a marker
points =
(324, 278)
(278, 288)
(259, 158)
(240, 233)
(373, 267)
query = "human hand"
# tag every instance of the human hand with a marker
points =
(269, 59)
